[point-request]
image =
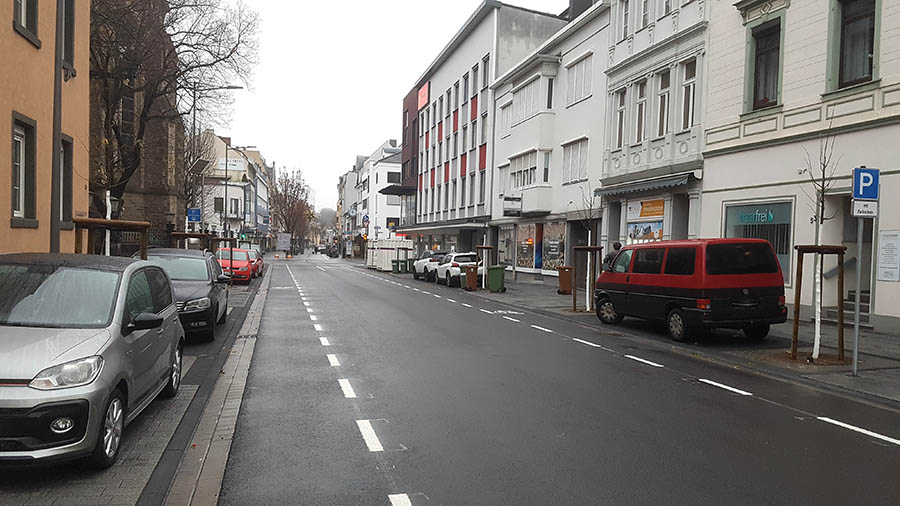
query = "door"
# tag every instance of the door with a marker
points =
(139, 299)
(646, 293)
(170, 331)
(617, 284)
(219, 290)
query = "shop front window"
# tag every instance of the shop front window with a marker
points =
(507, 247)
(554, 249)
(767, 220)
(525, 246)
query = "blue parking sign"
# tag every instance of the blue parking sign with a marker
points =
(865, 184)
(193, 215)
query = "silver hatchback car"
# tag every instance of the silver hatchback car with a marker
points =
(86, 343)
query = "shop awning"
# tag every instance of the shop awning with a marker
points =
(645, 185)
(398, 189)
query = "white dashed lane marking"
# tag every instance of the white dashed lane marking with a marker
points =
(369, 436)
(511, 319)
(324, 341)
(541, 328)
(451, 300)
(347, 388)
(313, 317)
(725, 387)
(485, 311)
(466, 305)
(859, 429)
(317, 327)
(333, 360)
(586, 343)
(638, 359)
(399, 500)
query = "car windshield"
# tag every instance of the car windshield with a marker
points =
(239, 256)
(52, 296)
(182, 268)
(740, 258)
(252, 254)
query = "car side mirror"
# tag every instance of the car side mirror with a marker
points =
(223, 279)
(145, 321)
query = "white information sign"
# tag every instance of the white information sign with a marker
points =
(864, 209)
(889, 255)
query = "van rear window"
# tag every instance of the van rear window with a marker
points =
(747, 258)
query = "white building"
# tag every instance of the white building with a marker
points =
(783, 76)
(456, 121)
(229, 195)
(347, 209)
(549, 146)
(378, 214)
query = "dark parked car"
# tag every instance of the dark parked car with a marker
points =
(697, 284)
(201, 288)
(86, 343)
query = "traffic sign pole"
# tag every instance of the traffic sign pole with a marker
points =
(860, 223)
(865, 205)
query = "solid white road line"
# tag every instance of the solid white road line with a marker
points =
(369, 436)
(588, 343)
(511, 319)
(317, 327)
(324, 341)
(485, 311)
(638, 359)
(467, 305)
(451, 300)
(333, 360)
(399, 500)
(347, 388)
(541, 328)
(726, 387)
(313, 317)
(859, 429)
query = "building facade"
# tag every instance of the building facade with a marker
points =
(45, 96)
(549, 147)
(455, 122)
(795, 86)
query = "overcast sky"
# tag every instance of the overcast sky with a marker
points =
(332, 77)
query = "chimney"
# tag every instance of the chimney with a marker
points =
(576, 7)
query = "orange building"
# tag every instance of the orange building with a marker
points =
(44, 94)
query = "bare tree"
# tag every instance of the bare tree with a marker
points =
(147, 57)
(589, 213)
(288, 204)
(820, 172)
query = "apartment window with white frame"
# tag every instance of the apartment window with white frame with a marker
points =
(438, 192)
(526, 101)
(662, 103)
(620, 118)
(523, 170)
(472, 190)
(455, 145)
(456, 95)
(579, 80)
(640, 110)
(453, 201)
(447, 195)
(689, 92)
(475, 80)
(665, 7)
(485, 71)
(575, 161)
(505, 117)
(18, 173)
(484, 128)
(462, 192)
(474, 133)
(645, 13)
(623, 30)
(465, 133)
(546, 166)
(549, 93)
(465, 88)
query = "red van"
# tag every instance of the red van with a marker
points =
(695, 284)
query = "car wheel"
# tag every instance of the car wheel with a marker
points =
(447, 279)
(606, 312)
(109, 437)
(676, 326)
(415, 275)
(757, 332)
(174, 374)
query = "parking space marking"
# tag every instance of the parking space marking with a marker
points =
(347, 388)
(859, 429)
(725, 387)
(324, 341)
(317, 327)
(399, 500)
(511, 319)
(369, 436)
(333, 360)
(541, 328)
(641, 360)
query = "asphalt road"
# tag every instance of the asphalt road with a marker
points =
(404, 392)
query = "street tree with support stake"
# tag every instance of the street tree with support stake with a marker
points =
(288, 205)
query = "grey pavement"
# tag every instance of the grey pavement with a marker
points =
(404, 392)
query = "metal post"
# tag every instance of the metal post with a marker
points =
(798, 282)
(841, 306)
(108, 216)
(859, 239)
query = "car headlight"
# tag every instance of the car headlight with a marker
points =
(71, 374)
(197, 304)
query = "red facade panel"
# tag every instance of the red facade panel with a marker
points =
(440, 130)
(427, 138)
(432, 178)
(462, 163)
(474, 108)
(446, 171)
(482, 157)
(420, 182)
(455, 120)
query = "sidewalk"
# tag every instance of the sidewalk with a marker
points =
(879, 354)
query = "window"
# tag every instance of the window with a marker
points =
(432, 201)
(393, 177)
(441, 105)
(235, 206)
(481, 186)
(625, 7)
(465, 133)
(438, 192)
(393, 200)
(465, 88)
(771, 221)
(505, 119)
(462, 191)
(522, 169)
(737, 258)
(857, 41)
(455, 144)
(475, 80)
(648, 261)
(447, 113)
(579, 80)
(68, 36)
(640, 110)
(645, 13)
(620, 118)
(139, 297)
(546, 166)
(453, 195)
(162, 290)
(485, 71)
(65, 180)
(623, 260)
(456, 93)
(689, 73)
(472, 190)
(666, 7)
(767, 46)
(219, 204)
(549, 93)
(365, 203)
(474, 133)
(662, 104)
(484, 128)
(680, 261)
(575, 161)
(25, 20)
(23, 165)
(526, 101)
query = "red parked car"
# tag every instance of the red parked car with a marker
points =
(236, 263)
(256, 261)
(696, 284)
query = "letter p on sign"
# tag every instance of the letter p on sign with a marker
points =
(865, 184)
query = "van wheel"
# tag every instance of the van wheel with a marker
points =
(109, 437)
(606, 312)
(757, 332)
(676, 327)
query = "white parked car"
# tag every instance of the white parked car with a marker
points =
(426, 265)
(453, 266)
